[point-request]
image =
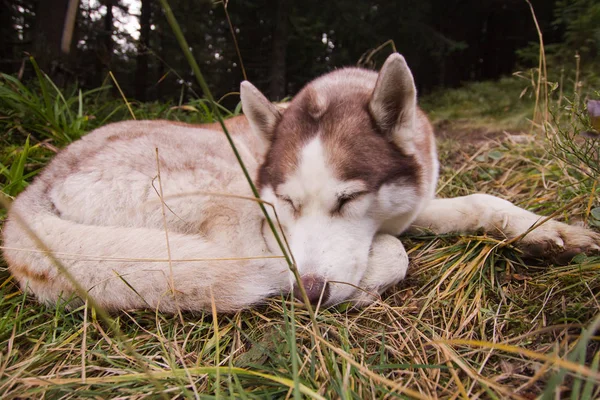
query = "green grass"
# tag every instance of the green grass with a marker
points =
(505, 104)
(472, 320)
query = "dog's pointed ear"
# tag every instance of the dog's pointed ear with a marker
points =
(261, 113)
(393, 104)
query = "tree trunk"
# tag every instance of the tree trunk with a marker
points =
(49, 26)
(7, 37)
(66, 43)
(141, 76)
(108, 31)
(277, 85)
(105, 45)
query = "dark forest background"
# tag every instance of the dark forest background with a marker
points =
(284, 43)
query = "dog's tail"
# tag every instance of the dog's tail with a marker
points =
(126, 267)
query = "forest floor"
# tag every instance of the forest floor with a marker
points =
(473, 319)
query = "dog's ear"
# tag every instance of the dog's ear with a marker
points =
(261, 113)
(393, 104)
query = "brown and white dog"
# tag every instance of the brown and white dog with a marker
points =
(349, 165)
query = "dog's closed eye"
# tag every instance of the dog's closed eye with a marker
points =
(345, 198)
(288, 201)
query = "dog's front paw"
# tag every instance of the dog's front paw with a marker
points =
(388, 264)
(559, 242)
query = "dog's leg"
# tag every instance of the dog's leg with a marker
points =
(551, 239)
(388, 263)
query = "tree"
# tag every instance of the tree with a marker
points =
(104, 47)
(141, 76)
(16, 20)
(54, 24)
(580, 20)
(284, 43)
(277, 73)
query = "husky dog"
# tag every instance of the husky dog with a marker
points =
(155, 214)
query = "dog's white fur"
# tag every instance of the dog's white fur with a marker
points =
(97, 205)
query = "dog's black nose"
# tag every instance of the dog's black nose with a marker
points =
(316, 289)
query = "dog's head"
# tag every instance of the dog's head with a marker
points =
(341, 161)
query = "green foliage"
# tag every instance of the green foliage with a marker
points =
(582, 388)
(43, 110)
(575, 57)
(569, 142)
(581, 22)
(14, 172)
(578, 21)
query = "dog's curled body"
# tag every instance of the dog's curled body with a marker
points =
(349, 164)
(97, 207)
